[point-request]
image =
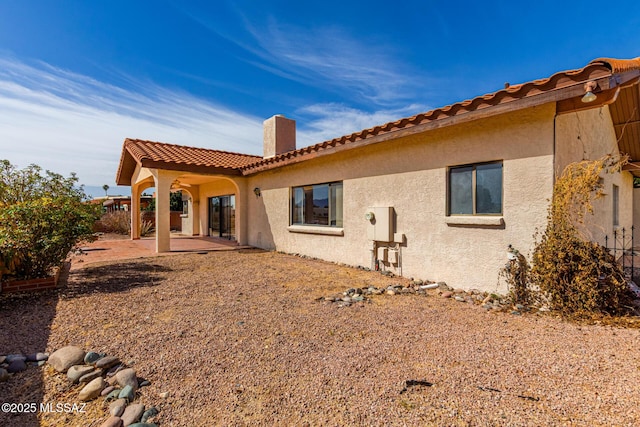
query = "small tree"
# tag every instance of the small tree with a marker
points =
(106, 189)
(43, 216)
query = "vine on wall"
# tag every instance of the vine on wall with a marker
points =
(573, 275)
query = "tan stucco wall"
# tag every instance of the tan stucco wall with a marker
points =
(590, 134)
(410, 174)
(222, 187)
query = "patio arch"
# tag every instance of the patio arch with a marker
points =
(168, 167)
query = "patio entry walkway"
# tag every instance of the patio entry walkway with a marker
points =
(111, 247)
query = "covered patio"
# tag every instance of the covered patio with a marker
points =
(205, 177)
(107, 248)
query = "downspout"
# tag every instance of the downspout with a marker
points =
(555, 130)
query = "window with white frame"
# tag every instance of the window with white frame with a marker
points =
(319, 204)
(475, 189)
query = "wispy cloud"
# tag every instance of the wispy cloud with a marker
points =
(68, 122)
(330, 58)
(324, 56)
(326, 121)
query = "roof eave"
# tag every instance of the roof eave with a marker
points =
(185, 167)
(574, 91)
(126, 167)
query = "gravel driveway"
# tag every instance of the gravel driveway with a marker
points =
(239, 338)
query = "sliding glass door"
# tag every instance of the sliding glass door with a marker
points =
(222, 217)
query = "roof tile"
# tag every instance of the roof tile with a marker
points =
(149, 151)
(160, 152)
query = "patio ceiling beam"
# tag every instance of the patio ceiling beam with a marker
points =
(183, 167)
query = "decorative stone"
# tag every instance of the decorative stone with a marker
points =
(447, 294)
(18, 356)
(132, 413)
(13, 357)
(144, 383)
(91, 357)
(76, 371)
(115, 369)
(4, 375)
(459, 298)
(444, 286)
(91, 376)
(107, 390)
(151, 412)
(127, 393)
(37, 357)
(64, 358)
(127, 377)
(91, 390)
(116, 408)
(107, 362)
(16, 366)
(113, 394)
(112, 421)
(390, 292)
(2, 359)
(164, 394)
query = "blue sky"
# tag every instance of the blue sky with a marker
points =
(77, 77)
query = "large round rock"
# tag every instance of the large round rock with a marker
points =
(127, 377)
(64, 358)
(92, 390)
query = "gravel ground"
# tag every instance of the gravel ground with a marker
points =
(238, 338)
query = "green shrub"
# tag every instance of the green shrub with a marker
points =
(43, 216)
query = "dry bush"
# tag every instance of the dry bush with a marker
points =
(120, 222)
(576, 276)
(516, 274)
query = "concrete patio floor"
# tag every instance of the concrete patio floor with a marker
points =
(111, 247)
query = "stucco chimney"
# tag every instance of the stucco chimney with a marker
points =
(279, 136)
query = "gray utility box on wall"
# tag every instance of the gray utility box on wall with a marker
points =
(380, 227)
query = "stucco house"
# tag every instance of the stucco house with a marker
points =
(439, 195)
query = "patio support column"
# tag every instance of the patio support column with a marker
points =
(194, 211)
(195, 225)
(135, 212)
(163, 181)
(241, 212)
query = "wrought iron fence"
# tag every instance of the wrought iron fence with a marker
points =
(622, 248)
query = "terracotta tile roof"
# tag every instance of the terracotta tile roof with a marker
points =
(619, 65)
(183, 155)
(559, 87)
(178, 157)
(595, 69)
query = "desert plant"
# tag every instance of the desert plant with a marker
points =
(120, 222)
(115, 222)
(516, 275)
(575, 275)
(43, 216)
